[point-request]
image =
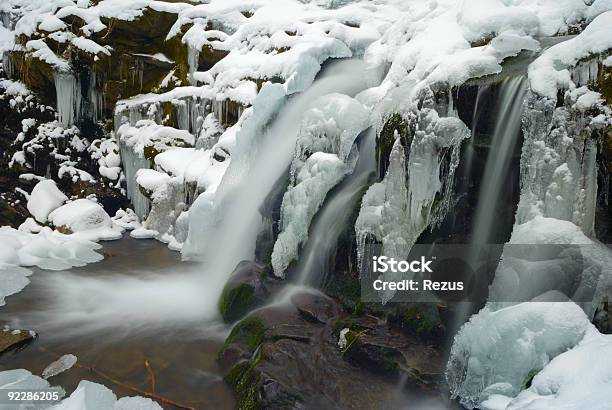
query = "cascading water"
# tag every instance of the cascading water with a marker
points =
(506, 132)
(148, 301)
(505, 136)
(333, 218)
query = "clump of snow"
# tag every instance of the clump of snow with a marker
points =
(550, 71)
(127, 219)
(146, 133)
(495, 352)
(45, 198)
(85, 219)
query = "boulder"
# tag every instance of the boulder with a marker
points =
(245, 290)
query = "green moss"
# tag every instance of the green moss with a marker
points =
(246, 383)
(235, 301)
(248, 332)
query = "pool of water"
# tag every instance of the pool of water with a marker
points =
(140, 304)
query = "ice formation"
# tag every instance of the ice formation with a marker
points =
(495, 352)
(322, 158)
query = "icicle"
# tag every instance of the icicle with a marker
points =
(68, 98)
(131, 163)
(193, 58)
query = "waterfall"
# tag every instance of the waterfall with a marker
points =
(68, 95)
(506, 133)
(333, 218)
(223, 228)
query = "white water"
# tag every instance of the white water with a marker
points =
(333, 218)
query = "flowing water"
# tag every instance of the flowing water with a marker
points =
(333, 218)
(505, 137)
(181, 350)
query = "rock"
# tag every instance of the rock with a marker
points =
(14, 339)
(287, 356)
(244, 290)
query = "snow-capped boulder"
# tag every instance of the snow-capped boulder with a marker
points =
(86, 219)
(45, 198)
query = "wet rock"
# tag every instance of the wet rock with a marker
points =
(244, 290)
(287, 356)
(11, 339)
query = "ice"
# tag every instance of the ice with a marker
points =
(495, 352)
(324, 154)
(21, 379)
(45, 198)
(574, 380)
(68, 94)
(319, 174)
(59, 366)
(127, 219)
(85, 219)
(401, 207)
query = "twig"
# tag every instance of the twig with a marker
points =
(151, 375)
(127, 386)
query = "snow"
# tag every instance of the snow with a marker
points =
(495, 351)
(150, 179)
(574, 380)
(127, 219)
(550, 71)
(45, 198)
(146, 133)
(85, 219)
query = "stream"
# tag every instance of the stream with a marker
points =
(181, 353)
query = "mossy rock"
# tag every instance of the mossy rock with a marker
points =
(248, 333)
(244, 291)
(246, 383)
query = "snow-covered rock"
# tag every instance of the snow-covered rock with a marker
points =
(45, 198)
(85, 219)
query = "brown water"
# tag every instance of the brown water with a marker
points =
(182, 356)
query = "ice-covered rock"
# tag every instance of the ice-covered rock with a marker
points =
(45, 198)
(325, 152)
(575, 380)
(497, 352)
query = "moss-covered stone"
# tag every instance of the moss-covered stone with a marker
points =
(246, 383)
(249, 333)
(235, 301)
(244, 290)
